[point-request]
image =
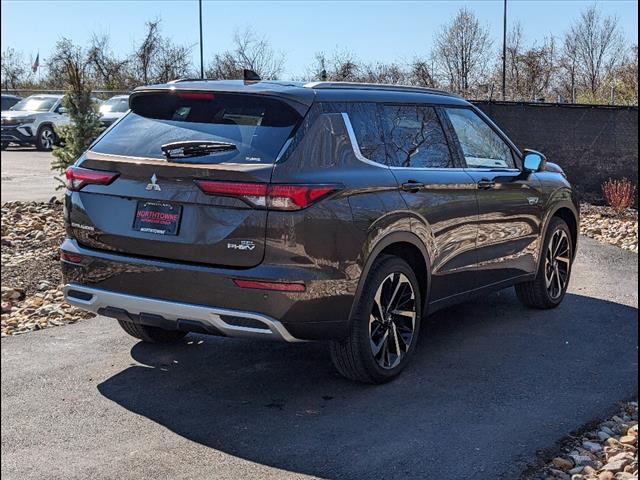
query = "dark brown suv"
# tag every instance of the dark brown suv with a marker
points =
(323, 211)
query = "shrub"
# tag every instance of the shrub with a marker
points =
(619, 194)
(84, 126)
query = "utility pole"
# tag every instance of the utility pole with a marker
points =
(504, 53)
(201, 54)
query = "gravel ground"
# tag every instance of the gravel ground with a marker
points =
(31, 278)
(604, 225)
(607, 452)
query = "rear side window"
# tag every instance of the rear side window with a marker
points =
(481, 145)
(257, 126)
(366, 127)
(414, 137)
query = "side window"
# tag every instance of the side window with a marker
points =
(414, 137)
(481, 145)
(366, 127)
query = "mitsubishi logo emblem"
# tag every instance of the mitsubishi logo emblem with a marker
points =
(154, 185)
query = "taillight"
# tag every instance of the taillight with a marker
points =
(254, 194)
(295, 197)
(273, 197)
(278, 286)
(78, 177)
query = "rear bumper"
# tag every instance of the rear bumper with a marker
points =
(176, 315)
(183, 295)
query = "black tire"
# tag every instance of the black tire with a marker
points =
(354, 356)
(4, 146)
(45, 138)
(537, 293)
(151, 334)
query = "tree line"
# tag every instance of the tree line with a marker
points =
(589, 63)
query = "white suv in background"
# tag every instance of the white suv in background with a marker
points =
(113, 109)
(31, 121)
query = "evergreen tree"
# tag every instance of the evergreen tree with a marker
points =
(73, 66)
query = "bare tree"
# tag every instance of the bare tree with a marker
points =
(14, 69)
(340, 66)
(626, 76)
(110, 71)
(513, 52)
(157, 59)
(529, 70)
(421, 74)
(146, 52)
(390, 73)
(568, 64)
(344, 66)
(250, 51)
(538, 69)
(462, 50)
(172, 61)
(598, 46)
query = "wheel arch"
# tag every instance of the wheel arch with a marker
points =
(46, 123)
(567, 212)
(571, 220)
(409, 247)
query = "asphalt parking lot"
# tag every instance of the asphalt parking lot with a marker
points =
(27, 175)
(492, 383)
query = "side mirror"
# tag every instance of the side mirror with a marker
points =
(534, 161)
(63, 110)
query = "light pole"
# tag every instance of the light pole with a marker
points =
(201, 54)
(504, 52)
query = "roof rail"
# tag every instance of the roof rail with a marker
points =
(178, 80)
(376, 86)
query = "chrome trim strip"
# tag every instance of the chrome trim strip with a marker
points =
(176, 310)
(111, 157)
(362, 158)
(354, 143)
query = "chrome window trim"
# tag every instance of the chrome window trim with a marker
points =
(354, 143)
(356, 150)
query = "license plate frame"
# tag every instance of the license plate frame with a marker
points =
(158, 218)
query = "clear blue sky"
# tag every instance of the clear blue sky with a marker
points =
(373, 30)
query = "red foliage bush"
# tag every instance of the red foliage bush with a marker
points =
(619, 194)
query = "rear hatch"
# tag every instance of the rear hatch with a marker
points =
(180, 177)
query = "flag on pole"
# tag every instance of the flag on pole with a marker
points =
(36, 64)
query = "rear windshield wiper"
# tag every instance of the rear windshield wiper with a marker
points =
(195, 148)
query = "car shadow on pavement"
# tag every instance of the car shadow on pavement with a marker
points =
(491, 383)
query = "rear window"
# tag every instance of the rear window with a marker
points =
(257, 126)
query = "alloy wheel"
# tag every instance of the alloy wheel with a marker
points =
(557, 264)
(46, 138)
(392, 320)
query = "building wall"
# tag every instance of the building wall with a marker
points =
(591, 143)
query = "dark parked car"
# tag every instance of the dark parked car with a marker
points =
(9, 101)
(322, 211)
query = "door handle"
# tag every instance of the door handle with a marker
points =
(412, 186)
(486, 184)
